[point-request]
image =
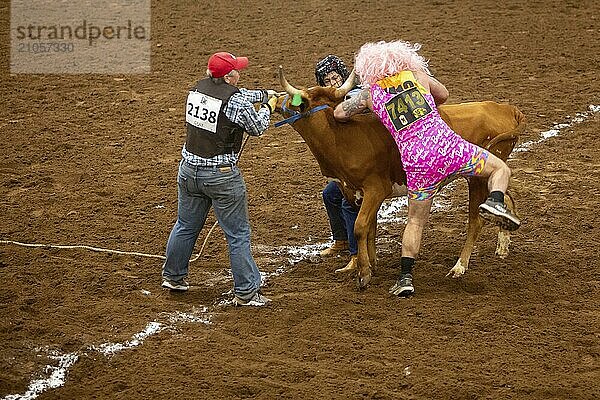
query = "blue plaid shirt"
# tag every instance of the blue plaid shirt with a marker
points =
(240, 110)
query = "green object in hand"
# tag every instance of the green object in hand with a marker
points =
(296, 100)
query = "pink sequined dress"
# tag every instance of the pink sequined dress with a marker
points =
(429, 149)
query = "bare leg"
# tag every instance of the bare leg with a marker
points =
(497, 172)
(418, 215)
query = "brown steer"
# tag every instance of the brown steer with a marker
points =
(363, 158)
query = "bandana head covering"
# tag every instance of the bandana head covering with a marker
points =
(329, 64)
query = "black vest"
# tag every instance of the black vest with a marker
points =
(228, 136)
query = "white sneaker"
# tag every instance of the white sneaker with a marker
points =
(498, 214)
(258, 300)
(403, 286)
(178, 286)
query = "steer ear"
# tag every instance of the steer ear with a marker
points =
(296, 94)
(343, 90)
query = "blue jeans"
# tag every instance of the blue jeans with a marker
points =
(199, 188)
(341, 215)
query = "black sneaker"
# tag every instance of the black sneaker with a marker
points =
(177, 286)
(497, 213)
(258, 300)
(403, 286)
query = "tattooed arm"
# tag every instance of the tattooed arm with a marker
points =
(355, 105)
(436, 88)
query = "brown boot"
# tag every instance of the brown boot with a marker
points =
(351, 266)
(337, 247)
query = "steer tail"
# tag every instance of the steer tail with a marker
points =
(503, 144)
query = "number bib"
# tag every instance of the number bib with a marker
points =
(202, 111)
(407, 107)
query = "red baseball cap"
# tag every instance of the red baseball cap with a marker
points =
(222, 63)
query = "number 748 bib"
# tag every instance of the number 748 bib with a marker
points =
(202, 111)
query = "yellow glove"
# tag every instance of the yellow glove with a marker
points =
(272, 103)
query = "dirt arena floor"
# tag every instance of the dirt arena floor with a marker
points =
(92, 160)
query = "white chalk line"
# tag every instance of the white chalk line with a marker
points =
(556, 128)
(55, 376)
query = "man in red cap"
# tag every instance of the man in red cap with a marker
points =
(217, 114)
(222, 63)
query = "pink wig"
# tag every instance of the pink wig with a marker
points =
(375, 61)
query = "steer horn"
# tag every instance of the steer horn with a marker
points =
(286, 85)
(345, 88)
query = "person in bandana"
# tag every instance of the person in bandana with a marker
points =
(331, 71)
(401, 92)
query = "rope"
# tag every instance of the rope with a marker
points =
(128, 253)
(204, 244)
(100, 250)
(80, 246)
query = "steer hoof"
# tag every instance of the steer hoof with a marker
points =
(503, 244)
(457, 271)
(363, 280)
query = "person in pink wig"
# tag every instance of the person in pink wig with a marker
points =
(399, 89)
